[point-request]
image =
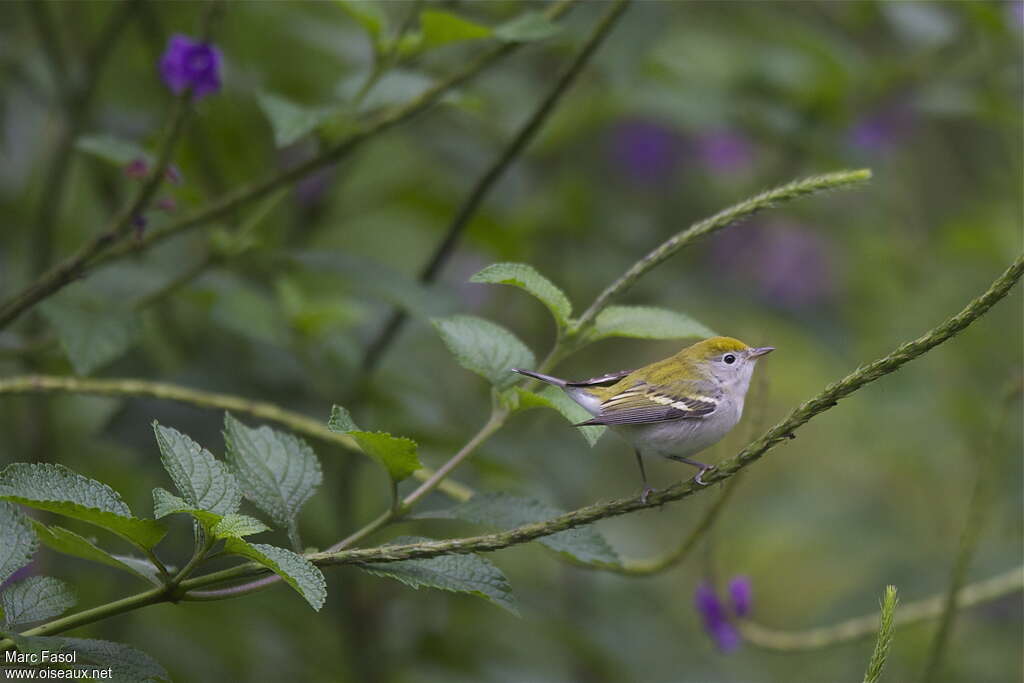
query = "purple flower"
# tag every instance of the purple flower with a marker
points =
(190, 64)
(716, 622)
(645, 151)
(136, 169)
(725, 152)
(882, 130)
(1016, 10)
(741, 595)
(788, 266)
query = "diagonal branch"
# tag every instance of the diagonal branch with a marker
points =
(999, 586)
(801, 415)
(41, 384)
(443, 252)
(102, 248)
(69, 270)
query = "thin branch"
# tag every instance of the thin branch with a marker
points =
(443, 252)
(33, 384)
(72, 268)
(722, 219)
(977, 511)
(528, 532)
(656, 565)
(102, 249)
(865, 626)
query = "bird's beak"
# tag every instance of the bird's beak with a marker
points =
(761, 351)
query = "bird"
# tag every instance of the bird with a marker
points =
(676, 407)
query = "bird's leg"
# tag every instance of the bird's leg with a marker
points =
(643, 476)
(703, 467)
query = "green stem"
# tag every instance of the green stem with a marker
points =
(133, 602)
(825, 400)
(74, 267)
(722, 219)
(102, 248)
(858, 628)
(30, 384)
(977, 509)
(884, 640)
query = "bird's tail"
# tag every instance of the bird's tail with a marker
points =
(543, 378)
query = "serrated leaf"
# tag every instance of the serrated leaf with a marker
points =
(441, 28)
(278, 472)
(92, 330)
(69, 543)
(166, 503)
(485, 348)
(291, 121)
(238, 526)
(129, 664)
(115, 150)
(34, 599)
(555, 398)
(527, 278)
(645, 322)
(204, 482)
(297, 571)
(17, 541)
(527, 27)
(55, 488)
(456, 573)
(505, 511)
(396, 453)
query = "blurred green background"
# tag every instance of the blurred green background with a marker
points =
(686, 108)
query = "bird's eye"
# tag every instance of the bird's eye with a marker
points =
(729, 359)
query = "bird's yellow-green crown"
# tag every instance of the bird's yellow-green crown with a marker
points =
(713, 347)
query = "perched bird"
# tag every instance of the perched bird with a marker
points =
(675, 407)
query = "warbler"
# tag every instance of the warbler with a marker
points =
(675, 407)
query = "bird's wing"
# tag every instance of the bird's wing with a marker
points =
(643, 403)
(602, 380)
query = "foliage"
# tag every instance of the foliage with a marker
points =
(322, 228)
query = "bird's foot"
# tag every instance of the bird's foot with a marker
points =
(645, 494)
(699, 479)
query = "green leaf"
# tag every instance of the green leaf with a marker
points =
(396, 453)
(278, 472)
(290, 121)
(456, 573)
(166, 503)
(555, 398)
(17, 542)
(92, 329)
(487, 349)
(441, 28)
(69, 543)
(369, 15)
(527, 27)
(129, 665)
(526, 277)
(55, 488)
(204, 482)
(505, 511)
(645, 322)
(297, 571)
(237, 526)
(35, 599)
(115, 150)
